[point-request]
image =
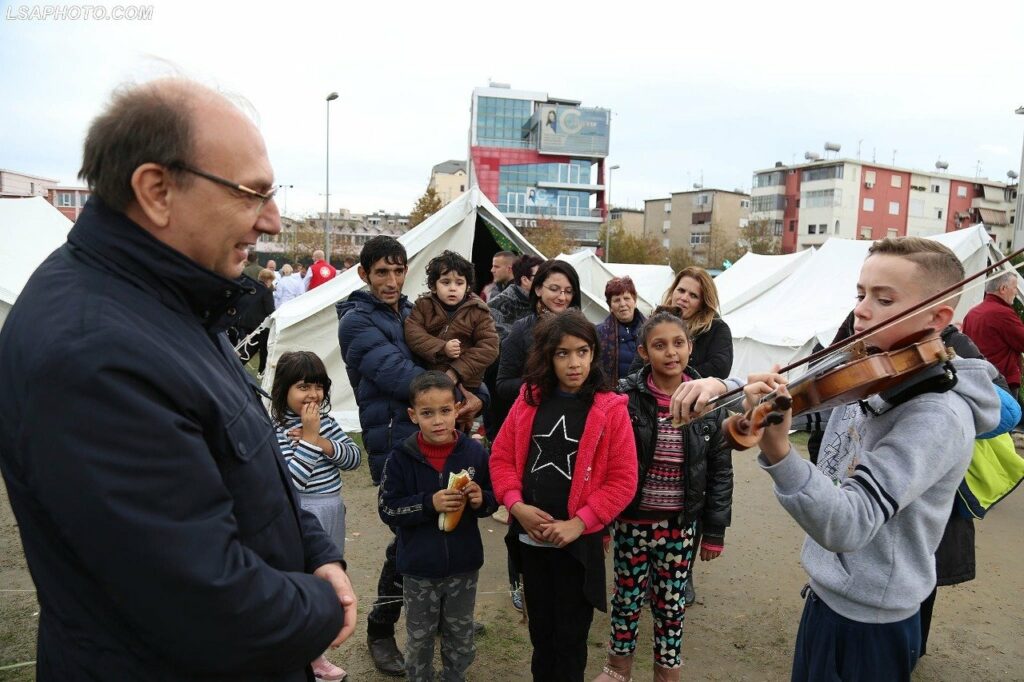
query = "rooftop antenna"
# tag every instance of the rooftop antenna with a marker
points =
(873, 155)
(858, 147)
(977, 169)
(894, 157)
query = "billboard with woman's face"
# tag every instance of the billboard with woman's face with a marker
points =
(573, 131)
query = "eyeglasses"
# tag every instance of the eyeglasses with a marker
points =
(263, 197)
(556, 290)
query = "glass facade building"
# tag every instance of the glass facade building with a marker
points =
(527, 184)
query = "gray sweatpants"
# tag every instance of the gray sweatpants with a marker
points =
(330, 511)
(444, 602)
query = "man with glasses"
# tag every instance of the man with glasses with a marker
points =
(158, 521)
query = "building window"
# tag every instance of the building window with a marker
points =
(65, 199)
(812, 229)
(938, 214)
(890, 233)
(462, 188)
(826, 173)
(668, 207)
(936, 188)
(769, 179)
(792, 226)
(869, 177)
(837, 228)
(702, 218)
(702, 200)
(777, 228)
(896, 180)
(961, 191)
(83, 197)
(744, 203)
(865, 233)
(894, 208)
(869, 204)
(699, 238)
(823, 198)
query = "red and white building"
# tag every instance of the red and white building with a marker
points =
(69, 200)
(808, 203)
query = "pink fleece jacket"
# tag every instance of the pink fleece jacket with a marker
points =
(604, 475)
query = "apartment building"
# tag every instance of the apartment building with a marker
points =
(694, 218)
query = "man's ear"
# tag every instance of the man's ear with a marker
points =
(362, 274)
(151, 184)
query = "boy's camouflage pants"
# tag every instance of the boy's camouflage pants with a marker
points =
(445, 603)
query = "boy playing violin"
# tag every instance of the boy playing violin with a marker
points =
(876, 505)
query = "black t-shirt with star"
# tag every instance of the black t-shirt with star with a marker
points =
(557, 429)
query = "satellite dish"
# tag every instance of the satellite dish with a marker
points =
(1011, 174)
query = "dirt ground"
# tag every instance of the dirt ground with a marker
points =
(742, 627)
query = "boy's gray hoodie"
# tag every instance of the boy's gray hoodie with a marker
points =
(877, 505)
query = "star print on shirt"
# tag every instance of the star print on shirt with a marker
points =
(555, 445)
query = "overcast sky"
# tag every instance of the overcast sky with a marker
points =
(713, 91)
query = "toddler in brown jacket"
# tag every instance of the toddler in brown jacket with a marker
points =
(450, 327)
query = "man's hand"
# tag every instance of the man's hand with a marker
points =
(336, 576)
(453, 349)
(474, 494)
(775, 439)
(446, 500)
(471, 407)
(561, 533)
(531, 519)
(690, 399)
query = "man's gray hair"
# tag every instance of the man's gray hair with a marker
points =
(993, 285)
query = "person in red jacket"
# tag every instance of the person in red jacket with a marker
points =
(996, 329)
(319, 272)
(564, 464)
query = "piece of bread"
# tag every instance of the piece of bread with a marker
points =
(447, 521)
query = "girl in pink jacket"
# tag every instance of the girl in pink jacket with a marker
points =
(564, 464)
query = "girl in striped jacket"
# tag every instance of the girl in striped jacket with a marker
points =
(315, 448)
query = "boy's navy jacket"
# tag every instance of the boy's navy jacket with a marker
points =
(380, 367)
(404, 503)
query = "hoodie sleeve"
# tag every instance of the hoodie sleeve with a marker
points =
(399, 503)
(930, 441)
(508, 486)
(717, 513)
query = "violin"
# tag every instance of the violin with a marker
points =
(849, 371)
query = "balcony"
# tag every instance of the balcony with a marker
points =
(550, 212)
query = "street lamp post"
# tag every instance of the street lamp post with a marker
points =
(1018, 227)
(608, 225)
(327, 176)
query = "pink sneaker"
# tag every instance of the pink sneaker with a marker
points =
(325, 670)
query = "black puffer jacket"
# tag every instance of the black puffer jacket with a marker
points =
(708, 460)
(711, 354)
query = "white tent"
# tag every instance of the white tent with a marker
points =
(652, 281)
(594, 275)
(784, 322)
(32, 229)
(752, 275)
(310, 321)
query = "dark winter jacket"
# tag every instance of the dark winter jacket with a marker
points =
(616, 358)
(404, 503)
(428, 327)
(380, 367)
(157, 515)
(254, 306)
(994, 327)
(507, 308)
(711, 354)
(512, 359)
(708, 460)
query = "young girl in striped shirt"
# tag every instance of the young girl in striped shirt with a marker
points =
(315, 448)
(684, 475)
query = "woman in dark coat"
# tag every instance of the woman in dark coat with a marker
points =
(618, 333)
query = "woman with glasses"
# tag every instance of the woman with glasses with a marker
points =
(556, 288)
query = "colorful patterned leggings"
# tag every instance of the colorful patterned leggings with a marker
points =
(652, 561)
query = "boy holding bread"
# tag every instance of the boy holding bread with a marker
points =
(428, 481)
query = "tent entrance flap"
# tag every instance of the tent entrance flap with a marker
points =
(487, 241)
